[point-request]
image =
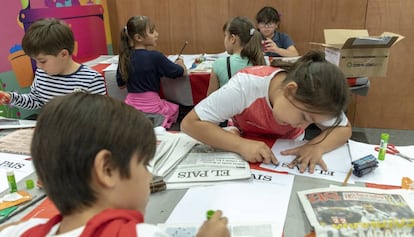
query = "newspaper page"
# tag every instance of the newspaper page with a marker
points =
(359, 212)
(204, 164)
(17, 142)
(10, 123)
(236, 230)
(171, 149)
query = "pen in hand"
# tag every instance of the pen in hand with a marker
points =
(182, 50)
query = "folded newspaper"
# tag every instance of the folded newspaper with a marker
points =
(171, 149)
(17, 142)
(10, 123)
(207, 164)
(359, 211)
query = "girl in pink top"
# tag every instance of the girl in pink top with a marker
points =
(276, 102)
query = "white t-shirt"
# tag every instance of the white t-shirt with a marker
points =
(244, 88)
(234, 97)
(143, 229)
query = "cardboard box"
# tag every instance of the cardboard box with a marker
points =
(357, 53)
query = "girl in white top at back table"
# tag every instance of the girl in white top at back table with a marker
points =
(243, 42)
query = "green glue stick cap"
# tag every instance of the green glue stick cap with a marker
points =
(209, 214)
(29, 184)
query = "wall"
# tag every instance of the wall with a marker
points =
(389, 103)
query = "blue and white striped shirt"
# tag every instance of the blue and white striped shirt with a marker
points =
(45, 87)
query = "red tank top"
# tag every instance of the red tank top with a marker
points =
(257, 120)
(110, 222)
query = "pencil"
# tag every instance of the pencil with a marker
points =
(348, 175)
(182, 50)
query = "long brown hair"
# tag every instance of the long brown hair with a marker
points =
(250, 39)
(135, 25)
(322, 86)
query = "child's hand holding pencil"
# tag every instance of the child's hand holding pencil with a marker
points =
(182, 50)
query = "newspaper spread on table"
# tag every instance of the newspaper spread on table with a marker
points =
(10, 123)
(17, 142)
(359, 211)
(206, 164)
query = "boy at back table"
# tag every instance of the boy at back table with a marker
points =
(50, 43)
(275, 43)
(95, 173)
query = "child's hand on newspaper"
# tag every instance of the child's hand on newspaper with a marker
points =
(215, 226)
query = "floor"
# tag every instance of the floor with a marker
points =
(372, 136)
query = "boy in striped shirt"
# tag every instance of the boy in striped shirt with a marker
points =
(50, 43)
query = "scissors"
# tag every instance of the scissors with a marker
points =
(393, 151)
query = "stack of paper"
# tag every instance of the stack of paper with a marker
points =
(171, 149)
(9, 123)
(17, 142)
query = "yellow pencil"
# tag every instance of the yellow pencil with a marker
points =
(347, 177)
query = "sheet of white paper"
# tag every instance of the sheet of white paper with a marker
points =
(101, 59)
(21, 165)
(113, 59)
(9, 123)
(338, 161)
(188, 59)
(111, 67)
(389, 172)
(264, 200)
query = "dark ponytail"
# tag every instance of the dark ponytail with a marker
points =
(321, 86)
(250, 39)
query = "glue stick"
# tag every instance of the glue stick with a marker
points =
(209, 214)
(12, 181)
(383, 146)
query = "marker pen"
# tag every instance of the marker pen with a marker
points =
(363, 172)
(365, 162)
(366, 159)
(366, 165)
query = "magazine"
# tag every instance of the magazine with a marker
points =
(206, 164)
(359, 211)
